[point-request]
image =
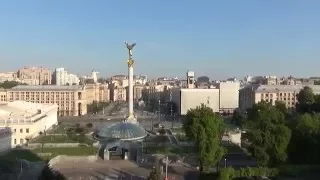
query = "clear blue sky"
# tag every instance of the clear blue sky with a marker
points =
(219, 39)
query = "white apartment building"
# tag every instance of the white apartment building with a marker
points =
(5, 138)
(62, 78)
(26, 120)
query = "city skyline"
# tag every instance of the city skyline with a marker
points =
(215, 39)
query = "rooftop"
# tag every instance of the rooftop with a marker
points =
(47, 87)
(20, 110)
(277, 88)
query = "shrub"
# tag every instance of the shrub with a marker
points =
(230, 173)
(89, 125)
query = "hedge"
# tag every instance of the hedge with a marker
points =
(230, 173)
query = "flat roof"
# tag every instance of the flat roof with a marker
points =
(47, 87)
(20, 110)
(199, 90)
(293, 88)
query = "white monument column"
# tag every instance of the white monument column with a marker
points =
(130, 62)
(130, 73)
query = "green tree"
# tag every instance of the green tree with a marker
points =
(237, 117)
(10, 84)
(304, 147)
(281, 106)
(306, 99)
(205, 129)
(155, 174)
(267, 133)
(306, 96)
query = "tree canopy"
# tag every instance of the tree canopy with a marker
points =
(267, 133)
(10, 84)
(205, 129)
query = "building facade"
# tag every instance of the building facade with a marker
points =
(228, 96)
(287, 94)
(187, 99)
(26, 120)
(35, 75)
(71, 100)
(62, 77)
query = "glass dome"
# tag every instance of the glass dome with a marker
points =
(123, 131)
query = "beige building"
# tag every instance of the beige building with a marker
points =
(71, 100)
(117, 92)
(228, 96)
(137, 92)
(26, 120)
(35, 75)
(97, 92)
(271, 93)
(186, 99)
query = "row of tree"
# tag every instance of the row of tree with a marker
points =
(10, 84)
(95, 106)
(274, 134)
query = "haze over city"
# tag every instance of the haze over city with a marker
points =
(152, 90)
(217, 39)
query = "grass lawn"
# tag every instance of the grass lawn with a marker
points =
(232, 148)
(181, 137)
(63, 139)
(177, 130)
(76, 151)
(31, 155)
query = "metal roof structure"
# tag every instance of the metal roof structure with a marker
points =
(124, 131)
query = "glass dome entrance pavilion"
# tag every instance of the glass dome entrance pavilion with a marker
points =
(118, 140)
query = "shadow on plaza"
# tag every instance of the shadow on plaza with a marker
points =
(118, 175)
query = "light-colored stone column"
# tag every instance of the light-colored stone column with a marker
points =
(130, 69)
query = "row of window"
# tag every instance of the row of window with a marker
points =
(21, 130)
(278, 94)
(42, 93)
(15, 141)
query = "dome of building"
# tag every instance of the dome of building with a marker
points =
(122, 131)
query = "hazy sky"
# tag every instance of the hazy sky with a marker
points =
(219, 39)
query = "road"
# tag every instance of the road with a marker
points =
(99, 120)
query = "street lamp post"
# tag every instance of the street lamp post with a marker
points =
(225, 162)
(172, 118)
(159, 110)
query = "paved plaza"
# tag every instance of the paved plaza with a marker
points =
(84, 169)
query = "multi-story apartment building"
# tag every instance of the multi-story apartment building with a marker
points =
(71, 100)
(62, 77)
(26, 120)
(118, 93)
(35, 75)
(97, 92)
(253, 94)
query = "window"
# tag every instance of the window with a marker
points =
(14, 130)
(21, 130)
(27, 130)
(15, 141)
(21, 141)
